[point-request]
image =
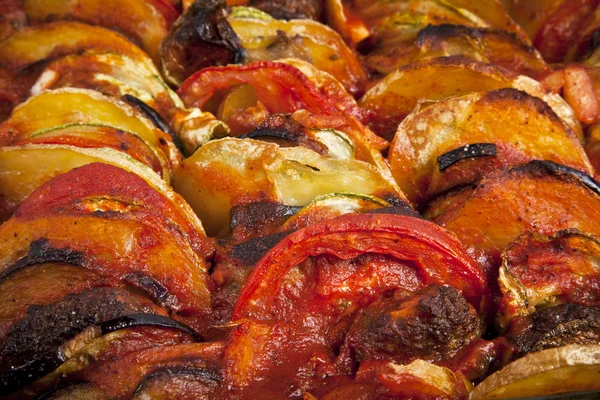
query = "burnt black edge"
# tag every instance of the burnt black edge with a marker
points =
(467, 151)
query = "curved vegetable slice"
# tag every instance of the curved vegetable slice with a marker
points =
(146, 21)
(34, 346)
(98, 345)
(23, 55)
(69, 106)
(505, 50)
(265, 39)
(536, 197)
(112, 74)
(570, 368)
(436, 257)
(40, 284)
(249, 171)
(511, 53)
(522, 128)
(393, 98)
(263, 88)
(121, 226)
(541, 271)
(330, 206)
(401, 20)
(121, 378)
(21, 177)
(51, 41)
(98, 136)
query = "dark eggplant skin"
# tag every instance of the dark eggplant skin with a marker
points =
(450, 158)
(250, 252)
(552, 168)
(31, 348)
(209, 374)
(202, 37)
(40, 252)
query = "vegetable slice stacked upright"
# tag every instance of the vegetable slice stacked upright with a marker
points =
(230, 200)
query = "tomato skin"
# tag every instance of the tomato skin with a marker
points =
(439, 257)
(281, 87)
(558, 29)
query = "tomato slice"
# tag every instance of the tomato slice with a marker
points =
(436, 257)
(282, 88)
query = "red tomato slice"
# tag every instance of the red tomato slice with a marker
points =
(423, 249)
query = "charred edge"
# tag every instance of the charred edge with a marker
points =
(467, 151)
(18, 377)
(134, 320)
(436, 32)
(402, 208)
(272, 132)
(443, 31)
(40, 252)
(153, 116)
(208, 374)
(259, 213)
(157, 291)
(550, 167)
(250, 252)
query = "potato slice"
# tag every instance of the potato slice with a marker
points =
(359, 19)
(564, 369)
(393, 98)
(20, 176)
(146, 21)
(112, 74)
(67, 106)
(229, 172)
(98, 136)
(539, 197)
(267, 39)
(50, 41)
(521, 127)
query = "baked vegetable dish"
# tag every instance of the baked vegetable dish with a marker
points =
(299, 199)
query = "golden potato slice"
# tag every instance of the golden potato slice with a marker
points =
(68, 106)
(520, 126)
(393, 98)
(229, 172)
(20, 176)
(50, 41)
(572, 368)
(539, 197)
(393, 20)
(267, 39)
(112, 74)
(146, 21)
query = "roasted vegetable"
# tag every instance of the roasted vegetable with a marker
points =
(394, 97)
(542, 271)
(572, 368)
(350, 238)
(538, 197)
(558, 28)
(393, 22)
(119, 227)
(24, 55)
(251, 171)
(441, 145)
(266, 39)
(200, 38)
(145, 21)
(68, 106)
